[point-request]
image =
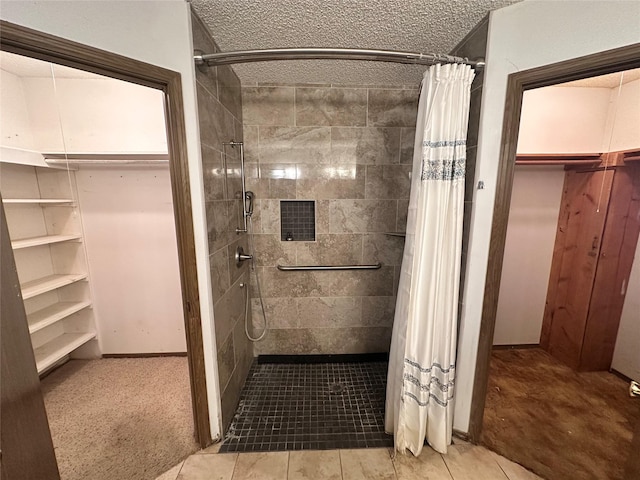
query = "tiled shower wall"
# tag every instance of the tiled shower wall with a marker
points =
(350, 149)
(220, 120)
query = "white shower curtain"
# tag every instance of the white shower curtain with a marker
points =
(421, 375)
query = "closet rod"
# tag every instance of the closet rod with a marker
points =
(247, 56)
(106, 162)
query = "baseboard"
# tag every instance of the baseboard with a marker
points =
(520, 346)
(461, 435)
(621, 375)
(332, 358)
(144, 355)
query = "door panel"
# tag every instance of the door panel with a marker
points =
(575, 258)
(25, 439)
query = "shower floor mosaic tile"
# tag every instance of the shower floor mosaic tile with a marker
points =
(315, 406)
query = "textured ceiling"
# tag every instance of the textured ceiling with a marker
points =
(426, 26)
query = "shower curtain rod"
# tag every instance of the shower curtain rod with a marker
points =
(247, 56)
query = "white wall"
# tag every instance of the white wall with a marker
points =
(523, 36)
(159, 33)
(563, 120)
(97, 115)
(130, 238)
(15, 129)
(626, 357)
(624, 118)
(531, 234)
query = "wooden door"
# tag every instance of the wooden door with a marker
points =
(25, 439)
(619, 242)
(581, 223)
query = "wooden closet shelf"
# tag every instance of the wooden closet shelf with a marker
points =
(54, 313)
(58, 348)
(45, 240)
(48, 283)
(48, 201)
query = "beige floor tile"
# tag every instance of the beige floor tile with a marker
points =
(172, 473)
(215, 448)
(429, 465)
(367, 464)
(470, 462)
(315, 465)
(513, 470)
(208, 467)
(262, 466)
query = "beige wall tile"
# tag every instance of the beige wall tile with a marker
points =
(268, 105)
(378, 311)
(368, 146)
(330, 181)
(331, 106)
(213, 174)
(392, 108)
(262, 466)
(388, 181)
(367, 464)
(228, 310)
(362, 282)
(219, 267)
(266, 216)
(250, 139)
(407, 140)
(340, 340)
(271, 251)
(276, 283)
(216, 123)
(362, 216)
(328, 312)
(208, 467)
(295, 145)
(236, 271)
(403, 210)
(229, 90)
(226, 361)
(332, 249)
(281, 313)
(386, 249)
(315, 465)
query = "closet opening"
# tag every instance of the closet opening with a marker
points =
(92, 172)
(565, 315)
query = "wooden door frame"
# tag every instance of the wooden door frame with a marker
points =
(601, 63)
(42, 46)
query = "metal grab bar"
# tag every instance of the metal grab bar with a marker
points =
(291, 268)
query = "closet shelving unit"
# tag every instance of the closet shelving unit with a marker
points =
(46, 236)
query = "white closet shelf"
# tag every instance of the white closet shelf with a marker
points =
(48, 201)
(48, 283)
(54, 313)
(45, 240)
(58, 348)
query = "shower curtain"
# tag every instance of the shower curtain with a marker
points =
(421, 375)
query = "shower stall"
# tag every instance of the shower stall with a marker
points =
(307, 190)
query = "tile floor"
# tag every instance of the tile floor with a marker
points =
(463, 462)
(310, 406)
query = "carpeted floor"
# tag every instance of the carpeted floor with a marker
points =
(116, 419)
(556, 422)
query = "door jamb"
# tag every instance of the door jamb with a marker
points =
(600, 63)
(43, 46)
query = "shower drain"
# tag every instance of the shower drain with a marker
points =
(337, 387)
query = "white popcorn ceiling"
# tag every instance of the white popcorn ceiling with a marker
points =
(425, 26)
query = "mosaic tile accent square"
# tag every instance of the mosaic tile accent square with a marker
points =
(317, 406)
(298, 220)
